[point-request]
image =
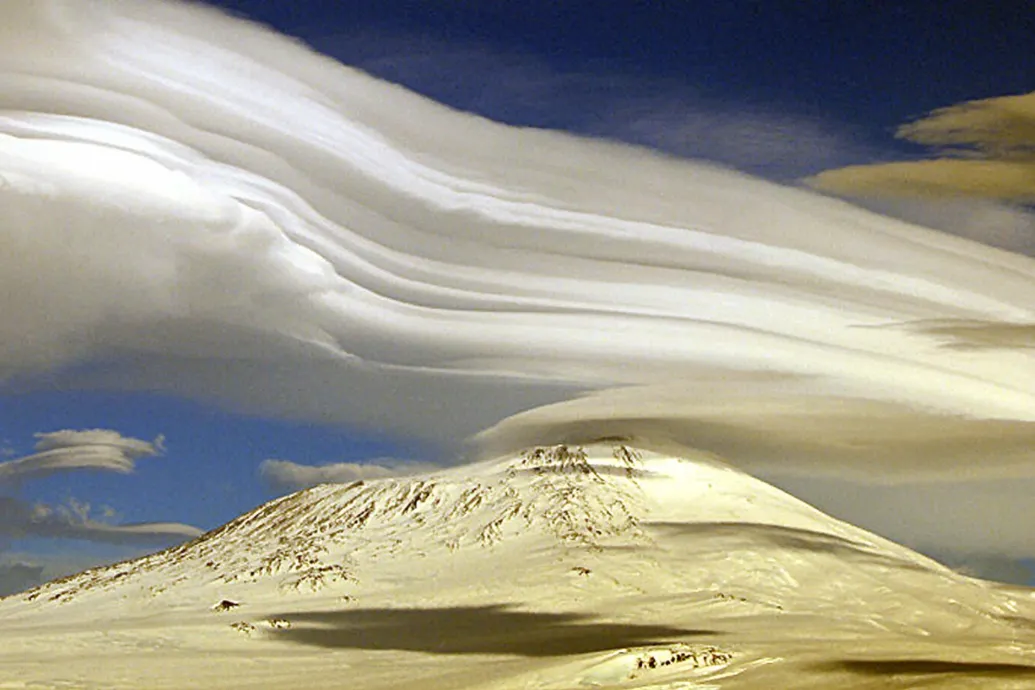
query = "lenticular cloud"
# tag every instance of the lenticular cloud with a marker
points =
(200, 206)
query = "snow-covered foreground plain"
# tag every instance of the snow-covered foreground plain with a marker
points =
(560, 567)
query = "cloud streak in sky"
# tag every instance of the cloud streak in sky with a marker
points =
(198, 206)
(992, 222)
(22, 520)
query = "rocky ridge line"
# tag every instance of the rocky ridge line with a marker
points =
(312, 539)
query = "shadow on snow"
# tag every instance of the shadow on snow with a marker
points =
(473, 630)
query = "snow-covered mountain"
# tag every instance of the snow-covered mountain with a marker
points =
(559, 567)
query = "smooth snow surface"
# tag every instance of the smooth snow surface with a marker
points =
(239, 219)
(560, 567)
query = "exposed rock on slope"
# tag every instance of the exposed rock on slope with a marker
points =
(312, 538)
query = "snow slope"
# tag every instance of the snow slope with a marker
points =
(559, 567)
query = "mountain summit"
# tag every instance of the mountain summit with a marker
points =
(599, 565)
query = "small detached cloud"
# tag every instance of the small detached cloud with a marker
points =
(284, 475)
(986, 147)
(89, 449)
(980, 184)
(69, 450)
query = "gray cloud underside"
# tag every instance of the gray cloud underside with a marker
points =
(284, 475)
(197, 206)
(20, 571)
(977, 524)
(16, 577)
(996, 223)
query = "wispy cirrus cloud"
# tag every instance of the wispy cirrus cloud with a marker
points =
(673, 116)
(973, 196)
(772, 140)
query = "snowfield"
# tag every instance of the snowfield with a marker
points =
(559, 567)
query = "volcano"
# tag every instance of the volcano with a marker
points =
(566, 566)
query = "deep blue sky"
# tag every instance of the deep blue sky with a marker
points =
(208, 474)
(870, 64)
(856, 69)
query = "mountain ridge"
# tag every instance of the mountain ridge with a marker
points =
(580, 500)
(611, 564)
